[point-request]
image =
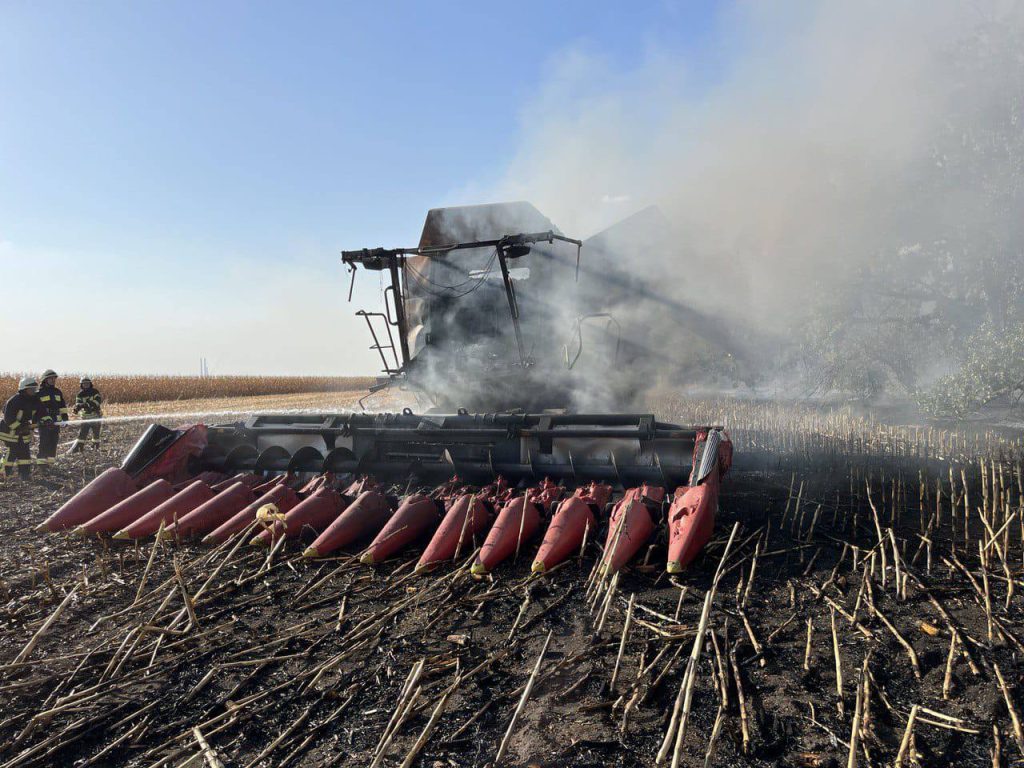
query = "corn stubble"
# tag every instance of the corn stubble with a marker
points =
(859, 604)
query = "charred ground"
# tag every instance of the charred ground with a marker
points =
(291, 662)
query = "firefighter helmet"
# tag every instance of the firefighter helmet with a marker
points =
(27, 382)
(85, 380)
(49, 372)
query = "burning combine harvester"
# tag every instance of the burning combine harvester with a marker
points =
(471, 318)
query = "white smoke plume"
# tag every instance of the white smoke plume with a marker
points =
(785, 173)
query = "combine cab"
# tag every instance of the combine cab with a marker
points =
(479, 313)
(496, 309)
(472, 316)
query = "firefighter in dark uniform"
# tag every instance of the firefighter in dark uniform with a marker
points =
(21, 413)
(55, 410)
(88, 404)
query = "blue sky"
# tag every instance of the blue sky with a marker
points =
(177, 178)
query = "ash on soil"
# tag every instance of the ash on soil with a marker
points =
(107, 686)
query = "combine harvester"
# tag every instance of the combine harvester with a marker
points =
(379, 483)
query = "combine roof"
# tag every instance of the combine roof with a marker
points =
(466, 223)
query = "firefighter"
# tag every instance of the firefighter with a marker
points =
(55, 410)
(21, 413)
(87, 405)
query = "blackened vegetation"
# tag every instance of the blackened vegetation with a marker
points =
(862, 588)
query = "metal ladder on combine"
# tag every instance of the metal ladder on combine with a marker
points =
(382, 349)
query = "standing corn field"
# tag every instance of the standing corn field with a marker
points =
(146, 389)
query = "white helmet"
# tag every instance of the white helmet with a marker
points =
(27, 382)
(85, 380)
(47, 374)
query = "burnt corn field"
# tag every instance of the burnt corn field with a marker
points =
(859, 604)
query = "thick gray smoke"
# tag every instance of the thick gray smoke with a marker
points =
(801, 165)
(840, 207)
